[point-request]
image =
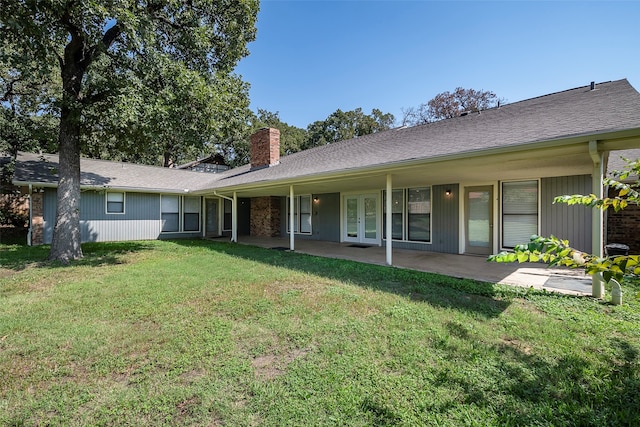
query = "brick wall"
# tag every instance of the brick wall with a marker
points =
(624, 226)
(37, 218)
(265, 216)
(265, 148)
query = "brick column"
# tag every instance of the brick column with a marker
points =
(265, 216)
(37, 218)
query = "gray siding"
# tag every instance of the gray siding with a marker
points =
(566, 222)
(141, 220)
(325, 218)
(444, 222)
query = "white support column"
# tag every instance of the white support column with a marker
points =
(234, 218)
(597, 219)
(291, 219)
(388, 223)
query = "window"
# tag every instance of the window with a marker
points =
(170, 213)
(115, 203)
(419, 214)
(410, 214)
(228, 215)
(397, 214)
(180, 213)
(301, 214)
(191, 216)
(519, 212)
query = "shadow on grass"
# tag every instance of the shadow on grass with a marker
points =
(482, 298)
(18, 257)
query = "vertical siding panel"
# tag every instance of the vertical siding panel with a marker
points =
(566, 222)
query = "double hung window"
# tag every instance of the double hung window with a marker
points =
(180, 213)
(301, 214)
(410, 214)
(519, 212)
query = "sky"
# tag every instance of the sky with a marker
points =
(311, 58)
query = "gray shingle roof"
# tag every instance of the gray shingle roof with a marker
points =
(42, 168)
(612, 106)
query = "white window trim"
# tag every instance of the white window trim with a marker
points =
(405, 215)
(297, 215)
(181, 215)
(106, 202)
(501, 209)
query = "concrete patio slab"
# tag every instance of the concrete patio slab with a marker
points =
(526, 275)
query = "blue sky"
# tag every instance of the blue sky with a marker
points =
(311, 58)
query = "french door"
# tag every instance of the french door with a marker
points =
(361, 218)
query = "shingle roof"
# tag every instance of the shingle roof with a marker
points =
(42, 168)
(612, 106)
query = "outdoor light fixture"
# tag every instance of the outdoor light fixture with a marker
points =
(315, 199)
(448, 192)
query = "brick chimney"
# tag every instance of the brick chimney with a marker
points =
(265, 148)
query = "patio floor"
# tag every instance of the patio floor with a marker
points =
(465, 266)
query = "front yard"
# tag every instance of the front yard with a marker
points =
(206, 333)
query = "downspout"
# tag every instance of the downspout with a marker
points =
(388, 223)
(30, 216)
(291, 219)
(597, 218)
(234, 218)
(616, 289)
(234, 235)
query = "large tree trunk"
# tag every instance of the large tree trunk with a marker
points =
(66, 232)
(65, 245)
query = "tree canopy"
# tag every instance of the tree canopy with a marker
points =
(447, 104)
(114, 59)
(341, 125)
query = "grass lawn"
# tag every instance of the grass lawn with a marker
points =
(206, 333)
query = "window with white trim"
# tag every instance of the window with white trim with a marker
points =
(170, 213)
(519, 212)
(410, 214)
(301, 214)
(180, 213)
(191, 214)
(115, 203)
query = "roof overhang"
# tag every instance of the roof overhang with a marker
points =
(557, 157)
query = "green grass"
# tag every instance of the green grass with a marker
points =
(206, 333)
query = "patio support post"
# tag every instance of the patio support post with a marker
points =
(597, 219)
(388, 224)
(234, 218)
(291, 219)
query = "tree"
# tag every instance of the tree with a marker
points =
(557, 252)
(341, 125)
(100, 49)
(446, 105)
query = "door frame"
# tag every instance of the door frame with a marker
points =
(464, 186)
(360, 196)
(218, 231)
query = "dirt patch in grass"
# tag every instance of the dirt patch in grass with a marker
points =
(271, 366)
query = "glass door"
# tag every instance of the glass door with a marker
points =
(479, 220)
(361, 218)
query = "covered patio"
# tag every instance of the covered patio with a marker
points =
(525, 275)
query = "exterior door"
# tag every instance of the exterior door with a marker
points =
(479, 220)
(211, 228)
(361, 218)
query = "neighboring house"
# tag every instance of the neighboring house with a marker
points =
(623, 226)
(474, 184)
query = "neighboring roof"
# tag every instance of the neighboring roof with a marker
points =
(216, 159)
(580, 112)
(42, 169)
(611, 107)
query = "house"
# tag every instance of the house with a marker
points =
(212, 164)
(473, 184)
